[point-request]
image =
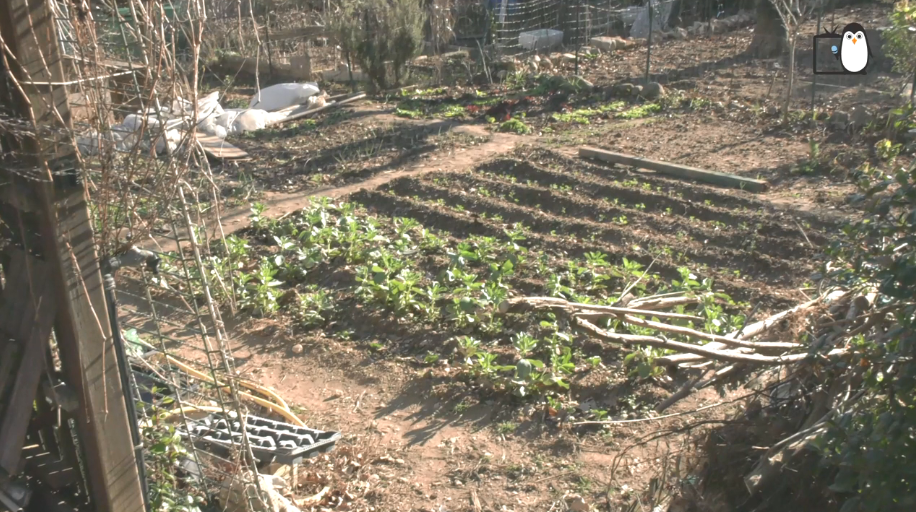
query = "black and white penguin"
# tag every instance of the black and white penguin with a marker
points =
(854, 51)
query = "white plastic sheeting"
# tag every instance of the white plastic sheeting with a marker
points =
(280, 96)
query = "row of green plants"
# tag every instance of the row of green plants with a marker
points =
(275, 272)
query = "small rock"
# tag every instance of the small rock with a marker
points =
(321, 41)
(581, 83)
(577, 504)
(608, 44)
(653, 90)
(569, 57)
(546, 64)
(839, 119)
(624, 89)
(297, 348)
(637, 90)
(680, 33)
(860, 117)
(374, 479)
(772, 110)
(403, 480)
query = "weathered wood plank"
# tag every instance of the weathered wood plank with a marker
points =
(680, 171)
(216, 147)
(81, 324)
(37, 308)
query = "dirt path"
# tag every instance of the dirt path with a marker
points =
(279, 204)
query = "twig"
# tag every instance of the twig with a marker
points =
(804, 234)
(685, 331)
(684, 391)
(358, 400)
(732, 356)
(641, 420)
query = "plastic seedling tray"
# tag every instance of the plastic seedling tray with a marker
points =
(543, 39)
(270, 441)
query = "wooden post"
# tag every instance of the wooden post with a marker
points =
(82, 326)
(680, 171)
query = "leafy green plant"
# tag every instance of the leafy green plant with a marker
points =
(515, 125)
(640, 111)
(259, 290)
(313, 307)
(167, 490)
(886, 150)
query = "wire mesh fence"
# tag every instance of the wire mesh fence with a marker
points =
(124, 111)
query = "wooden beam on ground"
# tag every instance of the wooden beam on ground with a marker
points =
(676, 170)
(218, 148)
(81, 325)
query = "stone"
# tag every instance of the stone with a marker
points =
(546, 63)
(772, 110)
(569, 57)
(577, 504)
(653, 90)
(637, 90)
(624, 89)
(581, 83)
(860, 117)
(608, 44)
(839, 119)
(507, 63)
(717, 27)
(680, 33)
(297, 348)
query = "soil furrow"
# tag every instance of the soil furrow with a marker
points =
(460, 224)
(567, 204)
(719, 258)
(632, 189)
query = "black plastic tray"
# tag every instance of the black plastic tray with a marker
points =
(270, 441)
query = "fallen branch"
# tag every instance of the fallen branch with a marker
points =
(641, 420)
(732, 356)
(686, 331)
(681, 393)
(520, 304)
(764, 325)
(665, 302)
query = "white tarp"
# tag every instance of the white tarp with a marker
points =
(280, 96)
(661, 11)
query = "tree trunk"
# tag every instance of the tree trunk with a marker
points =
(769, 34)
(788, 102)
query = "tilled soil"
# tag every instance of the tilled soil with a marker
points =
(753, 251)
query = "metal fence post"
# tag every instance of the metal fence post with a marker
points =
(820, 14)
(578, 42)
(649, 42)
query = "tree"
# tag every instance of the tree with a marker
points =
(382, 35)
(769, 34)
(792, 13)
(901, 41)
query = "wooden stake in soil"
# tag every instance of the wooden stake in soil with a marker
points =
(679, 171)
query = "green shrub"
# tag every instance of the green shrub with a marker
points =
(872, 446)
(900, 42)
(381, 35)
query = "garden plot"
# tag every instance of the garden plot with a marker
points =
(385, 307)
